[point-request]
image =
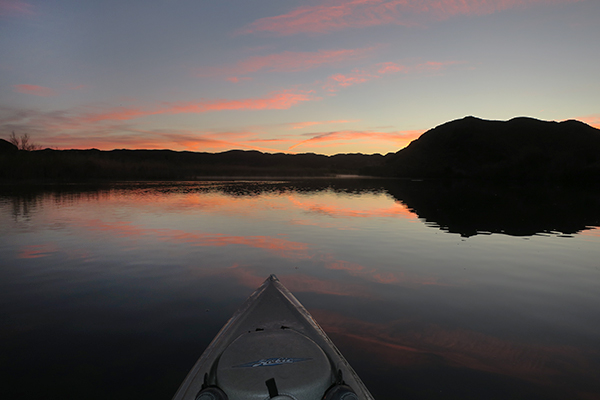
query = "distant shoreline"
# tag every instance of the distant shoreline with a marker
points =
(472, 148)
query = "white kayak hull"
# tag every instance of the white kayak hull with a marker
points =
(272, 348)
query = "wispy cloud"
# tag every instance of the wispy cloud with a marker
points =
(43, 91)
(35, 90)
(356, 76)
(68, 129)
(335, 15)
(77, 87)
(278, 100)
(336, 81)
(238, 79)
(287, 61)
(128, 138)
(306, 124)
(401, 138)
(15, 7)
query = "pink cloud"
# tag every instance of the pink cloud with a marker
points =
(287, 61)
(402, 138)
(15, 7)
(390, 67)
(35, 90)
(334, 15)
(236, 79)
(305, 124)
(279, 100)
(337, 81)
(340, 80)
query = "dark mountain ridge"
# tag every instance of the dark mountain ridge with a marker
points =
(77, 165)
(521, 148)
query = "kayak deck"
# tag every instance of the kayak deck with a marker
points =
(272, 348)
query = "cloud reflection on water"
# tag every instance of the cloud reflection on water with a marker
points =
(386, 285)
(409, 344)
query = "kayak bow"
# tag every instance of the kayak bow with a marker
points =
(272, 348)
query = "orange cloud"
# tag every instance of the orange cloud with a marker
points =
(70, 129)
(15, 7)
(288, 61)
(279, 100)
(402, 138)
(343, 14)
(35, 90)
(593, 120)
(139, 139)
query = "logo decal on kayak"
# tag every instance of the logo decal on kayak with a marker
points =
(271, 362)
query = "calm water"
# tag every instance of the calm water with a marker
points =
(432, 291)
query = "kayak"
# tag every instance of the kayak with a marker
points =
(272, 348)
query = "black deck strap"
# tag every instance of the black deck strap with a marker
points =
(272, 387)
(340, 377)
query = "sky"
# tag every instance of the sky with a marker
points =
(312, 76)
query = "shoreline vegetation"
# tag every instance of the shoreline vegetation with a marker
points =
(518, 149)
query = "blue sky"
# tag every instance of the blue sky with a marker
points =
(326, 77)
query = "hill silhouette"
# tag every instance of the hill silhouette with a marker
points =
(518, 149)
(82, 165)
(7, 147)
(521, 148)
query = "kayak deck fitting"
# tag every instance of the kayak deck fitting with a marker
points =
(272, 348)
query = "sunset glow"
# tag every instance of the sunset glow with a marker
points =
(329, 76)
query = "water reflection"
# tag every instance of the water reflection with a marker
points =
(474, 207)
(408, 345)
(468, 208)
(133, 280)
